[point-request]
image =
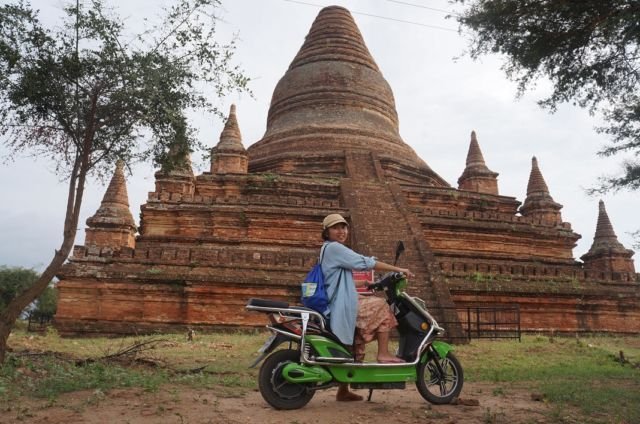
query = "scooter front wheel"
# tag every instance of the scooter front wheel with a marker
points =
(278, 392)
(440, 379)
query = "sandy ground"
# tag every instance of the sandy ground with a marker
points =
(479, 403)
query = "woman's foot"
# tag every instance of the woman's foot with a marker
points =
(384, 359)
(344, 395)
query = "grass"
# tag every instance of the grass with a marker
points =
(571, 374)
(579, 373)
(44, 366)
(49, 377)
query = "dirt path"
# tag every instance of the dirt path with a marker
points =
(493, 404)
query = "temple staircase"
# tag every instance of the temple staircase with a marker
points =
(380, 218)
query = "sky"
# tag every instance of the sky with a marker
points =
(441, 95)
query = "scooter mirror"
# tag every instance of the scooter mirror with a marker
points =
(399, 250)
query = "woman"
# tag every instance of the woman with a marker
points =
(368, 317)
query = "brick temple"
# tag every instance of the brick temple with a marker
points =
(250, 227)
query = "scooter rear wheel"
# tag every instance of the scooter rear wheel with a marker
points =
(440, 384)
(278, 392)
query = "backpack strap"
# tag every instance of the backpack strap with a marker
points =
(337, 286)
(339, 275)
(322, 253)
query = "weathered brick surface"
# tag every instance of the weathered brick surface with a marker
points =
(560, 306)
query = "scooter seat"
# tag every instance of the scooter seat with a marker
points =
(304, 308)
(265, 303)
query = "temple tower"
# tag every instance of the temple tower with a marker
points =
(539, 204)
(207, 243)
(229, 156)
(476, 176)
(112, 225)
(331, 101)
(607, 254)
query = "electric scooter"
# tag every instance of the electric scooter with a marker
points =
(314, 358)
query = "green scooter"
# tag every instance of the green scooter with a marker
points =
(315, 359)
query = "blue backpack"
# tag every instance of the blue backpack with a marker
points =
(314, 292)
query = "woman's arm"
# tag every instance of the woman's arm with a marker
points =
(381, 266)
(346, 258)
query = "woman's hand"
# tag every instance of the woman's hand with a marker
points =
(381, 266)
(406, 272)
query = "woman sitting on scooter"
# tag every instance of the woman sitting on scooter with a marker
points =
(368, 317)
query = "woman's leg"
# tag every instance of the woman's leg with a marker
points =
(383, 348)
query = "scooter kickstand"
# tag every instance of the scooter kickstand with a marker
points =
(370, 394)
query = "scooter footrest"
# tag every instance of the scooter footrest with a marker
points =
(335, 360)
(379, 386)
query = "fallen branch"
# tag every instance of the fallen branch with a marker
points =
(33, 354)
(624, 361)
(127, 353)
(196, 370)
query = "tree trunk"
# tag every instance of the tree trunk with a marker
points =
(17, 305)
(81, 166)
(75, 193)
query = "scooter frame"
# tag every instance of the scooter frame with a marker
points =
(305, 314)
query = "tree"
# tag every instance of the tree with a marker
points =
(589, 50)
(85, 97)
(46, 304)
(14, 280)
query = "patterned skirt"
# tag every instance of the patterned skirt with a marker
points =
(374, 316)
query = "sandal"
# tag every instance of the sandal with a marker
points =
(348, 397)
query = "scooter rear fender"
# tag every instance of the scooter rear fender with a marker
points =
(300, 373)
(270, 345)
(326, 347)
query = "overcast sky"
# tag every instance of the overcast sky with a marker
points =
(440, 100)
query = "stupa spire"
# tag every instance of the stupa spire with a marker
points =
(334, 36)
(474, 155)
(537, 184)
(539, 204)
(476, 176)
(604, 229)
(112, 225)
(229, 156)
(607, 253)
(117, 190)
(230, 138)
(605, 236)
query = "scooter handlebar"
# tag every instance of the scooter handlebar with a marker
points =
(385, 281)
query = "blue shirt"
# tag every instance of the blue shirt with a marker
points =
(337, 263)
